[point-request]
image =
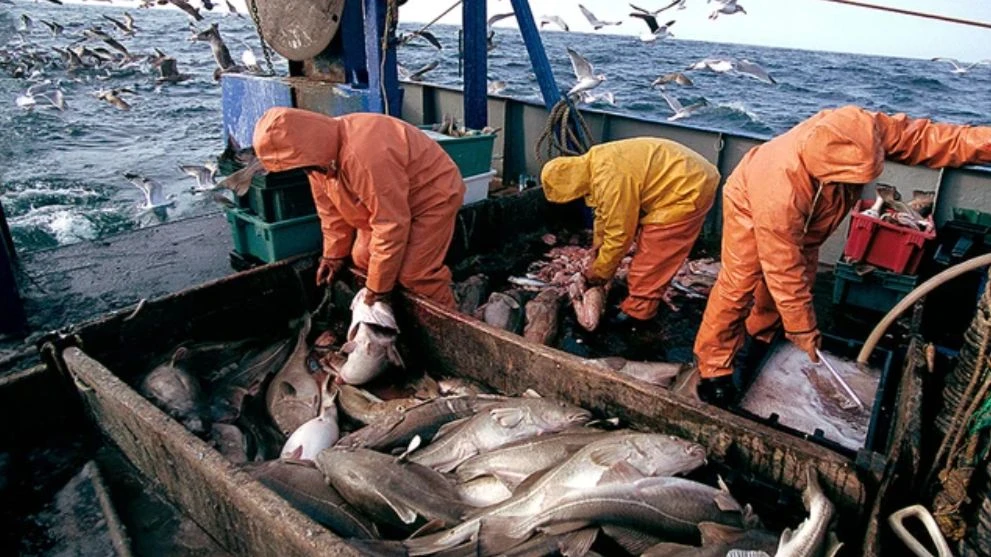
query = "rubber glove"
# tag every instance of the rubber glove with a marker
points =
(372, 297)
(328, 269)
(591, 280)
(809, 342)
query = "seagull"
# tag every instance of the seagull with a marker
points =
(154, 196)
(231, 9)
(594, 21)
(126, 26)
(718, 65)
(204, 174)
(26, 23)
(418, 74)
(168, 71)
(728, 7)
(656, 31)
(496, 86)
(425, 35)
(99, 34)
(957, 67)
(589, 98)
(490, 32)
(55, 28)
(29, 99)
(679, 110)
(207, 5)
(553, 19)
(751, 69)
(113, 96)
(679, 3)
(190, 11)
(250, 61)
(673, 77)
(587, 78)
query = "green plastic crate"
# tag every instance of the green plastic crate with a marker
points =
(472, 154)
(272, 241)
(274, 204)
(878, 290)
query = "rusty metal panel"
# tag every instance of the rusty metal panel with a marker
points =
(299, 29)
(239, 513)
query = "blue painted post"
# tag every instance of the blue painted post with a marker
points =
(353, 38)
(538, 57)
(12, 319)
(476, 64)
(379, 73)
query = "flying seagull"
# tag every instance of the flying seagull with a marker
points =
(113, 96)
(589, 98)
(751, 69)
(728, 7)
(718, 65)
(418, 74)
(656, 31)
(553, 19)
(168, 71)
(231, 9)
(425, 35)
(204, 174)
(679, 3)
(154, 194)
(126, 26)
(490, 32)
(958, 68)
(587, 78)
(673, 77)
(679, 110)
(594, 21)
(55, 28)
(186, 7)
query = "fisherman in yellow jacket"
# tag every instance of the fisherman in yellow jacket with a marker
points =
(652, 190)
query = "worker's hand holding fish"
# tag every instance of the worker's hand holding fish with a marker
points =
(589, 302)
(328, 269)
(808, 342)
(371, 344)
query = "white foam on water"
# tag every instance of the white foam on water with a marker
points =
(70, 226)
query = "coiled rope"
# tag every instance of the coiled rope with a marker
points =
(559, 137)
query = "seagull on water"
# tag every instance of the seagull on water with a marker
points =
(587, 78)
(656, 31)
(728, 7)
(154, 194)
(679, 3)
(555, 20)
(679, 110)
(595, 22)
(205, 176)
(959, 68)
(673, 77)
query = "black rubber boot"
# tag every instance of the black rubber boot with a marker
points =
(720, 391)
(749, 358)
(625, 320)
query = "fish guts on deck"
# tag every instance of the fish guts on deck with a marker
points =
(386, 194)
(658, 186)
(784, 200)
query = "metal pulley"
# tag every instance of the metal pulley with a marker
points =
(298, 29)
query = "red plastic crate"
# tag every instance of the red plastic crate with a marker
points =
(885, 245)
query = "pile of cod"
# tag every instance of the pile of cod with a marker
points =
(444, 468)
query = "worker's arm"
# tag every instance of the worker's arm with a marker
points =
(921, 141)
(617, 215)
(779, 217)
(338, 235)
(383, 188)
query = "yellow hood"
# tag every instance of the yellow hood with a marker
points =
(566, 179)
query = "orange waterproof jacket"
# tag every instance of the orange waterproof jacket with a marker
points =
(798, 187)
(632, 182)
(367, 172)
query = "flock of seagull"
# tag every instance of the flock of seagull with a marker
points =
(99, 53)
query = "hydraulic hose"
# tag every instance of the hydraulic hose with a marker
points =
(914, 296)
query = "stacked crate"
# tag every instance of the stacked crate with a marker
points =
(473, 156)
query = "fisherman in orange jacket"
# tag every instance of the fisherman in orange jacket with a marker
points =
(386, 194)
(649, 189)
(782, 202)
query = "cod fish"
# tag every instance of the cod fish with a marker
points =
(615, 458)
(398, 426)
(471, 293)
(230, 442)
(370, 352)
(177, 392)
(666, 506)
(515, 462)
(810, 539)
(589, 305)
(661, 374)
(542, 317)
(503, 311)
(720, 541)
(314, 436)
(303, 486)
(483, 491)
(497, 426)
(293, 397)
(229, 390)
(363, 406)
(398, 493)
(455, 386)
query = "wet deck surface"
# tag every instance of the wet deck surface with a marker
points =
(74, 283)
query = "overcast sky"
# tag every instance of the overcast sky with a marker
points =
(808, 24)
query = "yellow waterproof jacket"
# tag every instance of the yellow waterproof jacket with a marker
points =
(630, 182)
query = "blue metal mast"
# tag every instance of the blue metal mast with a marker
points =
(538, 57)
(476, 64)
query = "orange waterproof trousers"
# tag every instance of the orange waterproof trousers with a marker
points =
(661, 250)
(422, 271)
(740, 298)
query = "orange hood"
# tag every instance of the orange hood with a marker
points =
(288, 138)
(843, 146)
